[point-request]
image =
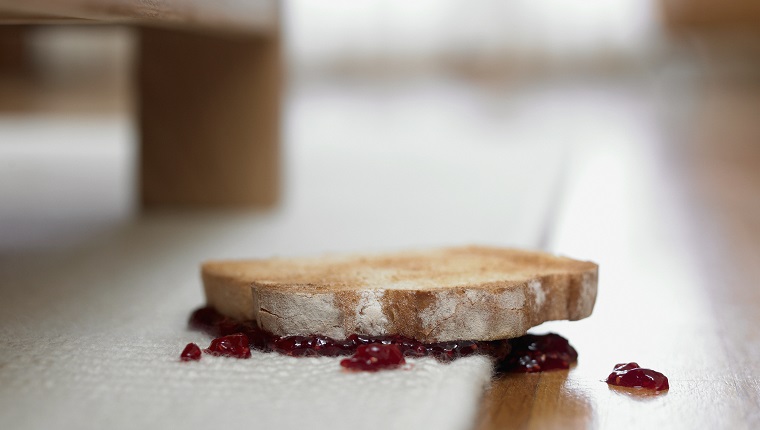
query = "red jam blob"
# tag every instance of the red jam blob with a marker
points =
(374, 357)
(192, 352)
(204, 319)
(234, 345)
(633, 375)
(538, 353)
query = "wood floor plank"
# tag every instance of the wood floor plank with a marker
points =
(509, 401)
(675, 225)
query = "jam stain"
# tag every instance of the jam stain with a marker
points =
(374, 357)
(192, 352)
(234, 345)
(633, 375)
(529, 353)
(538, 353)
(204, 319)
(210, 321)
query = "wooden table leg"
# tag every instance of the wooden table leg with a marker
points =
(14, 58)
(209, 115)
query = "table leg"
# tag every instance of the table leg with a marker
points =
(14, 58)
(209, 113)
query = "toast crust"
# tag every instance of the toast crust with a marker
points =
(474, 293)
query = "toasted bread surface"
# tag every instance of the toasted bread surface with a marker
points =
(475, 292)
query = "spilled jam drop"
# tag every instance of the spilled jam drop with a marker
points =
(538, 353)
(234, 345)
(374, 357)
(192, 352)
(633, 375)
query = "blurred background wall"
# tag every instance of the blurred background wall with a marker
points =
(486, 41)
(419, 76)
(486, 38)
(482, 39)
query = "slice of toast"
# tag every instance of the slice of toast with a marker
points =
(472, 293)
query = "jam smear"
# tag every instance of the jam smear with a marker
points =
(538, 353)
(633, 375)
(192, 352)
(210, 321)
(374, 357)
(529, 353)
(234, 345)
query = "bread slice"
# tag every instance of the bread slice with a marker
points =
(474, 293)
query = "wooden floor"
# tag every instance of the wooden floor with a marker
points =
(674, 222)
